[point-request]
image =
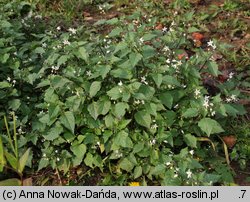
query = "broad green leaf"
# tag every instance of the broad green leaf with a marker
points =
(134, 58)
(166, 99)
(83, 54)
(213, 68)
(126, 165)
(170, 80)
(137, 172)
(143, 118)
(103, 106)
(190, 140)
(54, 111)
(68, 120)
(43, 163)
(14, 104)
(4, 84)
(79, 150)
(89, 160)
(191, 112)
(109, 121)
(157, 79)
(94, 88)
(114, 93)
(120, 109)
(23, 160)
(11, 182)
(122, 139)
(93, 110)
(210, 126)
(62, 60)
(121, 73)
(159, 169)
(151, 108)
(54, 133)
(115, 32)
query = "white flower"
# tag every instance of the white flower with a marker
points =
(228, 99)
(89, 73)
(205, 104)
(212, 113)
(98, 143)
(141, 40)
(143, 102)
(166, 49)
(108, 51)
(58, 28)
(211, 44)
(233, 97)
(57, 159)
(197, 92)
(56, 151)
(120, 90)
(155, 126)
(44, 45)
(189, 173)
(44, 155)
(168, 163)
(176, 175)
(164, 29)
(230, 76)
(72, 30)
(8, 79)
(66, 42)
(191, 152)
(14, 82)
(168, 61)
(137, 102)
(120, 83)
(152, 142)
(143, 80)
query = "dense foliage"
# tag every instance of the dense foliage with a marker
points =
(131, 104)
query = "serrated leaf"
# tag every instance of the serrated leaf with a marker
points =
(44, 162)
(23, 160)
(143, 118)
(210, 126)
(94, 88)
(68, 120)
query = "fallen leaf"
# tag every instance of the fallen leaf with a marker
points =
(197, 36)
(230, 140)
(159, 26)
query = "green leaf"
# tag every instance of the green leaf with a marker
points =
(159, 169)
(157, 79)
(23, 161)
(191, 112)
(11, 182)
(166, 99)
(122, 139)
(120, 109)
(79, 150)
(193, 29)
(213, 68)
(2, 159)
(93, 110)
(121, 73)
(4, 84)
(11, 160)
(44, 162)
(89, 160)
(114, 93)
(94, 88)
(54, 133)
(83, 54)
(143, 118)
(115, 32)
(14, 104)
(170, 80)
(126, 165)
(68, 120)
(137, 172)
(134, 58)
(190, 140)
(210, 126)
(151, 108)
(103, 106)
(109, 121)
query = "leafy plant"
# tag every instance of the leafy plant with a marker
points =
(11, 159)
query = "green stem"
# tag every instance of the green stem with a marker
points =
(9, 137)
